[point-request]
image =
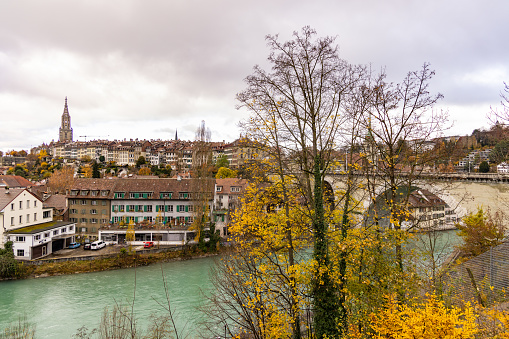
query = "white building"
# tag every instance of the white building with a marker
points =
(503, 168)
(30, 226)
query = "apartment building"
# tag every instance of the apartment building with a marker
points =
(99, 203)
(30, 226)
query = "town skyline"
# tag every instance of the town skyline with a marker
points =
(144, 71)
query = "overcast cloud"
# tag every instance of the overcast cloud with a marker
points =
(142, 69)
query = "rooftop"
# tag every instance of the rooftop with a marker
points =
(40, 227)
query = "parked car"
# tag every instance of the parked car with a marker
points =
(74, 245)
(148, 244)
(97, 245)
(86, 246)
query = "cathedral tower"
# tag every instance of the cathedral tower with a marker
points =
(65, 130)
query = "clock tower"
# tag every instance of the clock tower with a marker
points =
(65, 130)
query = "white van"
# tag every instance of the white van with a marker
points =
(97, 245)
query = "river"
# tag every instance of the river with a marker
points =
(60, 305)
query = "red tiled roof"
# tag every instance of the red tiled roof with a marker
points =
(14, 181)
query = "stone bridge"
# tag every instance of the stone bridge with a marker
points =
(462, 192)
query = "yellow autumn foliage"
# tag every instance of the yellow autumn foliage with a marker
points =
(429, 319)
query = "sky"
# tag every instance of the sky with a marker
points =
(144, 69)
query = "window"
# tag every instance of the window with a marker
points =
(46, 214)
(94, 211)
(21, 205)
(219, 188)
(35, 203)
(73, 211)
(130, 208)
(148, 208)
(12, 207)
(104, 193)
(28, 203)
(103, 212)
(55, 232)
(20, 253)
(83, 220)
(12, 221)
(121, 208)
(235, 189)
(37, 237)
(94, 202)
(73, 202)
(103, 202)
(119, 195)
(184, 195)
(20, 239)
(170, 208)
(165, 195)
(46, 234)
(74, 192)
(35, 216)
(63, 230)
(83, 211)
(104, 221)
(71, 228)
(83, 202)
(73, 219)
(95, 193)
(28, 217)
(93, 220)
(181, 208)
(84, 192)
(20, 219)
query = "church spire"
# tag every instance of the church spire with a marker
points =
(65, 130)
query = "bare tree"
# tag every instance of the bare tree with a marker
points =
(295, 114)
(61, 180)
(501, 115)
(400, 114)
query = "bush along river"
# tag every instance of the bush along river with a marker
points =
(58, 306)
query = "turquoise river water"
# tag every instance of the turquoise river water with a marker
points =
(58, 306)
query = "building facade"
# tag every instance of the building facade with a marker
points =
(96, 204)
(30, 226)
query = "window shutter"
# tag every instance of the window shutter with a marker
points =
(157, 208)
(127, 208)
(187, 209)
(136, 219)
(145, 208)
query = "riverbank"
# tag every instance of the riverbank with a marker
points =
(121, 259)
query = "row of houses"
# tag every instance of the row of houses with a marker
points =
(95, 204)
(176, 153)
(158, 209)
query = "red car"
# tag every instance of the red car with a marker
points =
(148, 244)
